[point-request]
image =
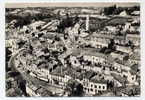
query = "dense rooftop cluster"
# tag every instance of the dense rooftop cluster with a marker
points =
(66, 52)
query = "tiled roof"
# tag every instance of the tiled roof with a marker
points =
(126, 63)
(102, 81)
(118, 78)
(134, 56)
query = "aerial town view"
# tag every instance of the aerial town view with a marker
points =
(71, 50)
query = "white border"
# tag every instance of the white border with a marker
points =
(2, 51)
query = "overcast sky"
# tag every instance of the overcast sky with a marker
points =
(94, 4)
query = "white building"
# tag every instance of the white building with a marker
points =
(134, 38)
(31, 90)
(123, 49)
(93, 87)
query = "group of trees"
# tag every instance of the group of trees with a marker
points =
(74, 88)
(21, 20)
(111, 47)
(109, 10)
(67, 22)
(17, 85)
(8, 56)
(26, 19)
(116, 10)
(110, 84)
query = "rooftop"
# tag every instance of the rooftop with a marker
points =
(119, 78)
(135, 56)
(43, 92)
(87, 75)
(126, 63)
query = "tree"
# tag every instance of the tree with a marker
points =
(130, 43)
(14, 74)
(22, 86)
(74, 88)
(64, 49)
(111, 45)
(79, 90)
(67, 22)
(110, 84)
(103, 49)
(8, 54)
(109, 10)
(76, 19)
(30, 48)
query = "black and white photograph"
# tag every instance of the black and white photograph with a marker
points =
(72, 49)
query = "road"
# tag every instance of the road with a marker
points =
(11, 61)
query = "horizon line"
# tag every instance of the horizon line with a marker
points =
(72, 4)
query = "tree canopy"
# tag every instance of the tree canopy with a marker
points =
(74, 88)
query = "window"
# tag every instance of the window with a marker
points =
(103, 87)
(91, 89)
(83, 66)
(99, 87)
(75, 61)
(91, 85)
(88, 90)
(95, 86)
(96, 59)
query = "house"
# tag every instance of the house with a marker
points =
(119, 40)
(83, 33)
(121, 65)
(45, 71)
(30, 89)
(91, 83)
(86, 65)
(12, 44)
(93, 86)
(100, 40)
(134, 58)
(117, 83)
(74, 61)
(136, 13)
(123, 14)
(59, 77)
(131, 77)
(136, 50)
(125, 49)
(119, 80)
(127, 26)
(37, 24)
(96, 57)
(99, 44)
(43, 92)
(118, 54)
(37, 91)
(111, 28)
(134, 38)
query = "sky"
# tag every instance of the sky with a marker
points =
(66, 4)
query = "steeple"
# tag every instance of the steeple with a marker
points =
(87, 22)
